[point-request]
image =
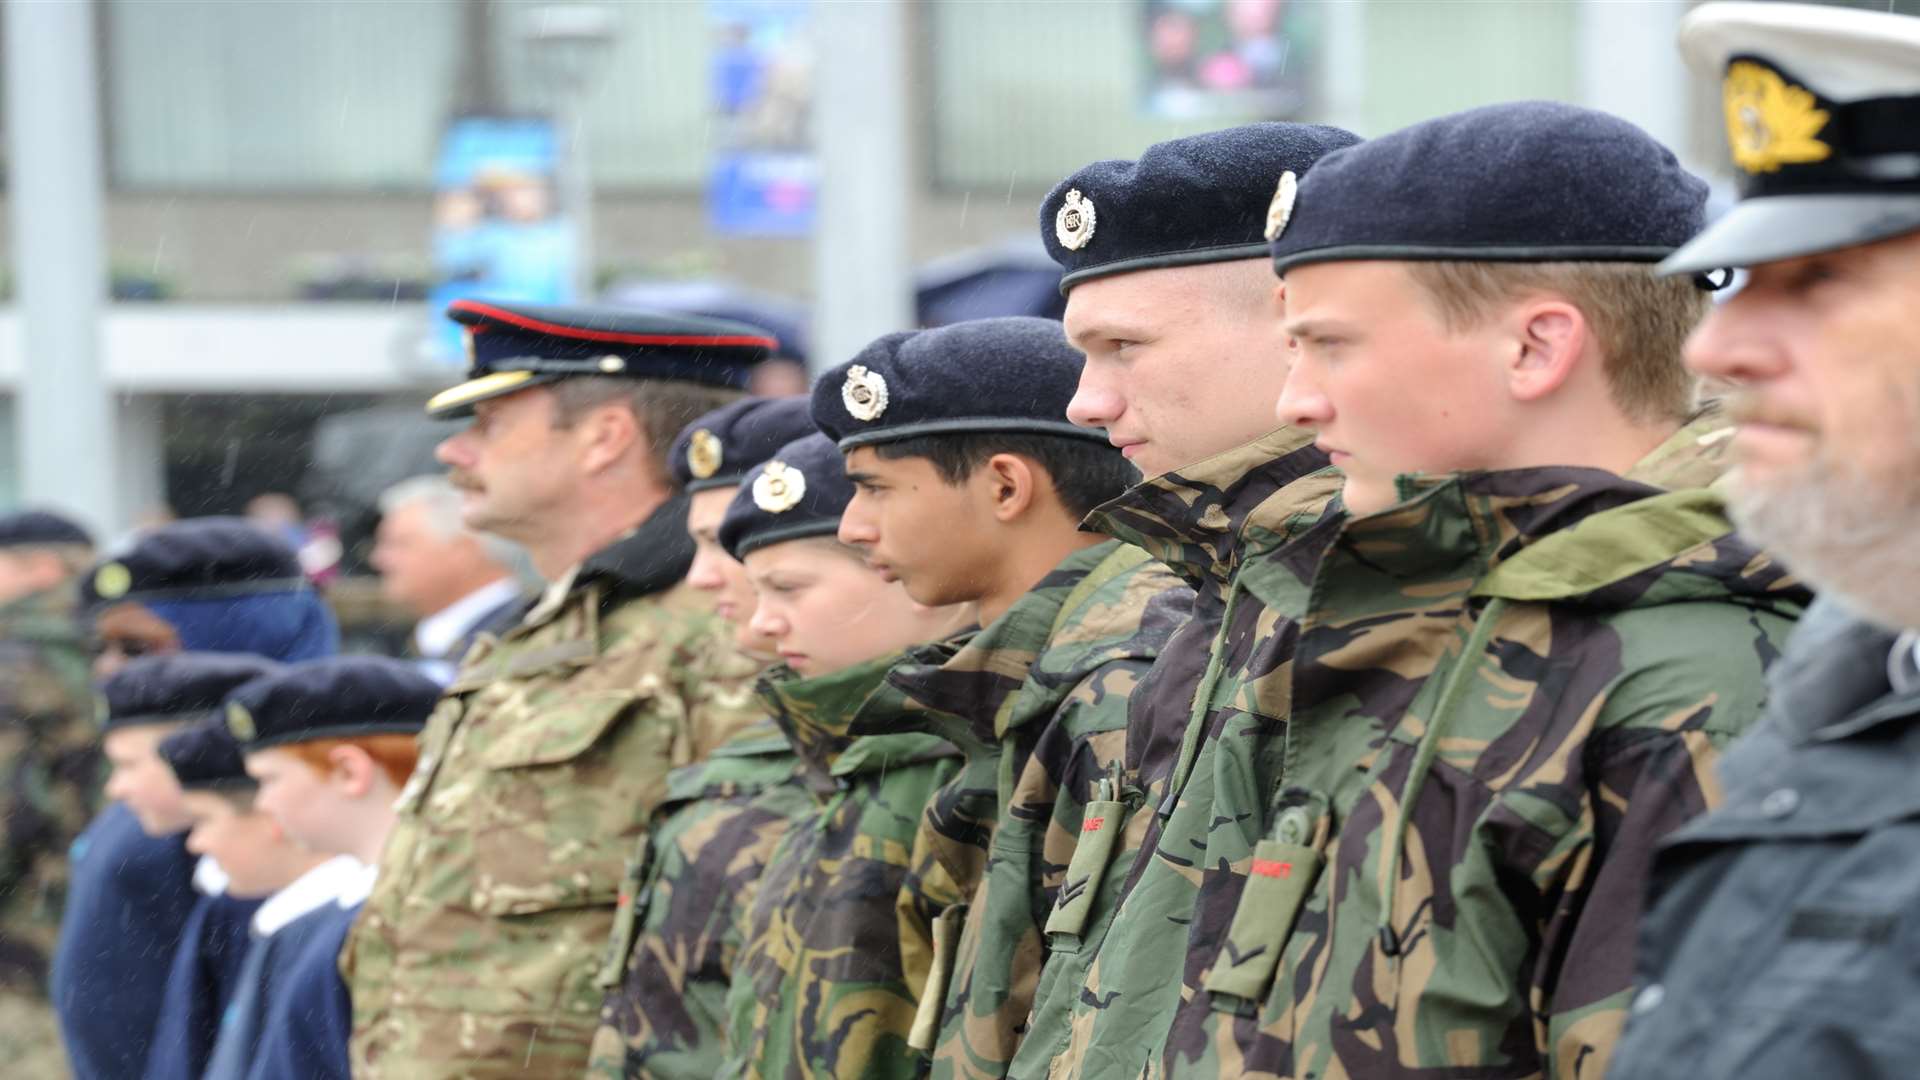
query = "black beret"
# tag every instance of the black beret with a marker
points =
(205, 756)
(1012, 374)
(801, 491)
(175, 687)
(341, 697)
(1528, 181)
(199, 557)
(514, 346)
(1201, 199)
(718, 449)
(33, 528)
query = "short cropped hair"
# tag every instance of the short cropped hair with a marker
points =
(1639, 321)
(664, 407)
(394, 753)
(1084, 473)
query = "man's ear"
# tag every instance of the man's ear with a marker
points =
(607, 434)
(1011, 484)
(1550, 338)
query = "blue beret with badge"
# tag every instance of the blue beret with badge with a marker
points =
(800, 491)
(716, 450)
(1822, 108)
(176, 687)
(1526, 181)
(1014, 374)
(39, 528)
(514, 346)
(206, 757)
(198, 557)
(1200, 199)
(342, 697)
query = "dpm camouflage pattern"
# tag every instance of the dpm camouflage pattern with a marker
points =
(1038, 700)
(1391, 863)
(683, 907)
(1195, 521)
(818, 989)
(478, 952)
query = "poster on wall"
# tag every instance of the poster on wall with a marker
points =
(1229, 58)
(764, 177)
(499, 232)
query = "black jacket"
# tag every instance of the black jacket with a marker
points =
(1782, 938)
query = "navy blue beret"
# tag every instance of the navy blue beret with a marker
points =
(32, 528)
(205, 756)
(177, 686)
(718, 449)
(1527, 181)
(1013, 374)
(514, 346)
(341, 697)
(801, 491)
(1201, 199)
(199, 557)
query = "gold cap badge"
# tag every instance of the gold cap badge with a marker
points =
(240, 722)
(864, 393)
(1073, 224)
(704, 453)
(779, 487)
(1280, 210)
(1771, 122)
(112, 581)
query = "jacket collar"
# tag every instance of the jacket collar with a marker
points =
(846, 722)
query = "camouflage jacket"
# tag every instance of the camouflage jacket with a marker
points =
(818, 989)
(1390, 862)
(49, 754)
(479, 950)
(683, 906)
(1038, 701)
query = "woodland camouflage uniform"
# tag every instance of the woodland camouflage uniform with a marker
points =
(478, 953)
(1484, 828)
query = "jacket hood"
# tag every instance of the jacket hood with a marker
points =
(826, 719)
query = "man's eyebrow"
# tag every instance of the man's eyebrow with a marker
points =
(1310, 327)
(706, 532)
(1115, 328)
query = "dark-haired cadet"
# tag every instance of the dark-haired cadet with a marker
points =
(331, 743)
(971, 485)
(296, 887)
(818, 986)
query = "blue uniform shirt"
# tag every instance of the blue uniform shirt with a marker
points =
(312, 1018)
(200, 986)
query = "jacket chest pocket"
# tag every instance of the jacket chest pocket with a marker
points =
(559, 801)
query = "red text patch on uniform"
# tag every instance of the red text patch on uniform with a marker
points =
(1271, 868)
(1094, 824)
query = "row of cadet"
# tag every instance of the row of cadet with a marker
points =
(903, 729)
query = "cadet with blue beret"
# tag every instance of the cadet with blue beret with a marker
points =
(479, 951)
(818, 986)
(1778, 932)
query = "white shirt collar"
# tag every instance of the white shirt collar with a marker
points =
(359, 886)
(208, 878)
(310, 890)
(437, 634)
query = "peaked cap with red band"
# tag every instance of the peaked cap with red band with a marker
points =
(514, 346)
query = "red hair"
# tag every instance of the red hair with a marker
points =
(395, 754)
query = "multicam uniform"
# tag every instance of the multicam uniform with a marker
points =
(818, 989)
(1393, 863)
(683, 908)
(478, 952)
(1039, 701)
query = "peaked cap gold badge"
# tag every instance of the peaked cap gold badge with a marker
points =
(704, 454)
(240, 722)
(1280, 210)
(1073, 223)
(864, 393)
(779, 487)
(1771, 122)
(112, 581)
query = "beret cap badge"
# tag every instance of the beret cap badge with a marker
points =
(704, 454)
(112, 581)
(779, 487)
(864, 393)
(1280, 210)
(1073, 223)
(240, 722)
(1771, 122)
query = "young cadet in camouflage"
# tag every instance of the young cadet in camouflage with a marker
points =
(478, 952)
(970, 485)
(676, 931)
(1482, 687)
(49, 759)
(818, 988)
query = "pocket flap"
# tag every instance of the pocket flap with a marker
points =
(560, 732)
